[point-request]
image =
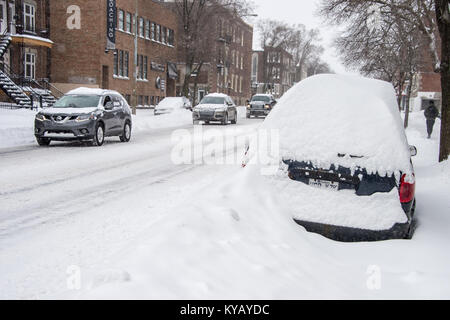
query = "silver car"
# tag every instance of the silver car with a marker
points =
(85, 114)
(215, 107)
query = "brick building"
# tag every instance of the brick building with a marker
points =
(25, 51)
(80, 56)
(227, 70)
(427, 83)
(273, 71)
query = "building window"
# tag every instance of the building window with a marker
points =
(142, 67)
(121, 20)
(116, 65)
(171, 40)
(121, 63)
(158, 33)
(153, 31)
(128, 23)
(30, 65)
(134, 26)
(29, 12)
(141, 27)
(145, 67)
(163, 34)
(147, 29)
(126, 59)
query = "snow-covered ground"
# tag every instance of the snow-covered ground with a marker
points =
(123, 221)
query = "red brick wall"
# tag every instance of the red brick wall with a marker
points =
(79, 55)
(430, 82)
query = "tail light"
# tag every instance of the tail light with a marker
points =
(407, 189)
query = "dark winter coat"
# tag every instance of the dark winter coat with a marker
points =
(431, 113)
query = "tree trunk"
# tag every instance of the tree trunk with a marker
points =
(443, 18)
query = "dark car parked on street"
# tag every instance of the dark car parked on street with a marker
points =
(260, 105)
(85, 114)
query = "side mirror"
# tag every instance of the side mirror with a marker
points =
(413, 151)
(109, 105)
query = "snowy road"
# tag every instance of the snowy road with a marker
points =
(71, 204)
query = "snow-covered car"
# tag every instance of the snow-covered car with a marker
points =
(215, 107)
(260, 105)
(172, 104)
(85, 114)
(346, 159)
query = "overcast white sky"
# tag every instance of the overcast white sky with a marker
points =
(304, 12)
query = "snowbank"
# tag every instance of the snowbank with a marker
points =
(327, 115)
(16, 127)
(235, 239)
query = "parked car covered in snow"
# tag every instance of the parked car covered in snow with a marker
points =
(172, 104)
(346, 158)
(260, 105)
(215, 107)
(85, 114)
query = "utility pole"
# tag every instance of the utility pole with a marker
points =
(136, 25)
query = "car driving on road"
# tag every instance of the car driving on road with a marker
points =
(85, 114)
(215, 107)
(260, 105)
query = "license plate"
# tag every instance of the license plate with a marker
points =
(323, 184)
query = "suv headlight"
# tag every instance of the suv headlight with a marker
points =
(85, 117)
(41, 117)
(267, 106)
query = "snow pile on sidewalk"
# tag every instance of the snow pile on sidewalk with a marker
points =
(16, 127)
(327, 115)
(237, 240)
(146, 120)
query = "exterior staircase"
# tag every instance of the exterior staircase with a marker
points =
(13, 91)
(18, 94)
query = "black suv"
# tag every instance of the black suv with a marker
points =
(85, 114)
(260, 105)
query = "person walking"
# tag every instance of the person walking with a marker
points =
(431, 113)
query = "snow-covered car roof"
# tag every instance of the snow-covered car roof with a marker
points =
(342, 120)
(91, 91)
(171, 103)
(221, 95)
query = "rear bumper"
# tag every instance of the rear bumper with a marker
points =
(347, 234)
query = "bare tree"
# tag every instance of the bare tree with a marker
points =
(429, 17)
(197, 20)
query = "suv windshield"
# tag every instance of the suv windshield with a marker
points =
(77, 101)
(213, 100)
(261, 98)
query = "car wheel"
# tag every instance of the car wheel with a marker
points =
(126, 135)
(248, 116)
(99, 137)
(412, 228)
(234, 121)
(225, 119)
(43, 141)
